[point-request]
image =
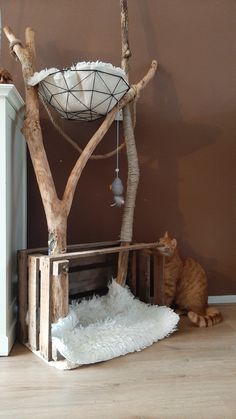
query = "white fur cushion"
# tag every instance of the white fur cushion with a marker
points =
(109, 326)
(88, 89)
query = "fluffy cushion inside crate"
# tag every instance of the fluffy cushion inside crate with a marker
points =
(109, 326)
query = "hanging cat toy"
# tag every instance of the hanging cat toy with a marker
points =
(117, 187)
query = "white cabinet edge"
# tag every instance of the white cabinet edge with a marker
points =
(12, 111)
(10, 92)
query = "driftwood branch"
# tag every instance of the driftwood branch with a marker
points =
(31, 128)
(125, 49)
(126, 234)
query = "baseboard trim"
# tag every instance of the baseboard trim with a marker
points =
(222, 299)
(7, 340)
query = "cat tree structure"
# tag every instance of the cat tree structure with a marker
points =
(57, 210)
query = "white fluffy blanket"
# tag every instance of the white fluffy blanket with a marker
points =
(109, 326)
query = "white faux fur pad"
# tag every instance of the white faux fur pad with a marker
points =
(83, 65)
(109, 326)
(41, 75)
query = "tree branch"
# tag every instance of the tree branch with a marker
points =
(126, 234)
(31, 128)
(125, 49)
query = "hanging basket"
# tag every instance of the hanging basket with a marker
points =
(86, 92)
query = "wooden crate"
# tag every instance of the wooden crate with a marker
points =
(146, 275)
(87, 269)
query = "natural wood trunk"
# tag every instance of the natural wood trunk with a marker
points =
(132, 155)
(126, 235)
(57, 234)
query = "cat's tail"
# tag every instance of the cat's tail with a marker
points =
(212, 317)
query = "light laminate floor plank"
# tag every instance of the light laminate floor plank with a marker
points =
(191, 374)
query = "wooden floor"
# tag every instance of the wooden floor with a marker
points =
(191, 374)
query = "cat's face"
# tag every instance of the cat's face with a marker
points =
(169, 245)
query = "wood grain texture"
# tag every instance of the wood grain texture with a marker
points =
(133, 272)
(59, 294)
(105, 251)
(45, 310)
(188, 375)
(73, 247)
(123, 262)
(158, 277)
(22, 330)
(33, 302)
(126, 232)
(144, 275)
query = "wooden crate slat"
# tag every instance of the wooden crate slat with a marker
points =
(33, 302)
(74, 247)
(88, 280)
(133, 272)
(158, 278)
(81, 262)
(144, 275)
(104, 251)
(59, 291)
(22, 329)
(45, 345)
(94, 273)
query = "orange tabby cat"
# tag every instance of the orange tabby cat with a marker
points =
(186, 286)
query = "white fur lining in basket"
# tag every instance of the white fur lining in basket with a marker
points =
(87, 90)
(83, 65)
(110, 326)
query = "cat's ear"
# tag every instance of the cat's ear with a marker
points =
(166, 235)
(174, 243)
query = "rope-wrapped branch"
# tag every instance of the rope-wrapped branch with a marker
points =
(126, 234)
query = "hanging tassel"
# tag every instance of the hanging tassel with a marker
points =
(117, 187)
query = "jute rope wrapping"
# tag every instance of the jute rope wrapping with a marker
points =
(126, 233)
(11, 46)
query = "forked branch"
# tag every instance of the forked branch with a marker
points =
(57, 210)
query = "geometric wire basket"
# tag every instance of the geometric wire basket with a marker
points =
(85, 92)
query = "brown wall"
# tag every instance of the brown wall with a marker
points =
(186, 122)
